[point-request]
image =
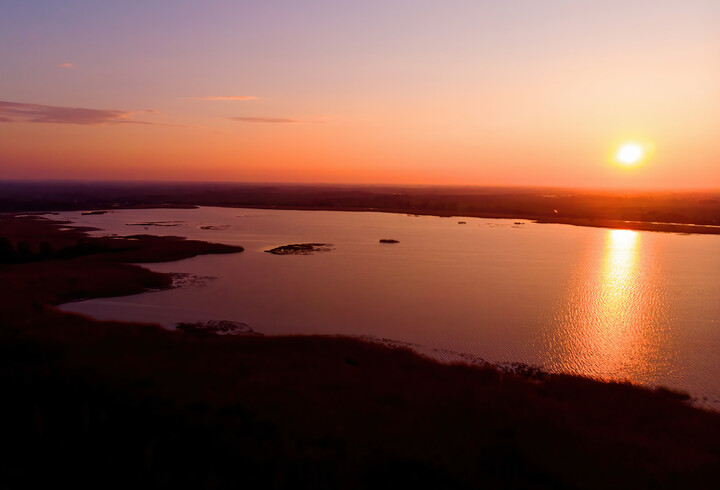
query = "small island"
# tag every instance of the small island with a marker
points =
(156, 223)
(301, 249)
(215, 327)
(215, 227)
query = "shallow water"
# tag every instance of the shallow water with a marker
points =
(614, 304)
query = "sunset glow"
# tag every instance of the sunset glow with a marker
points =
(472, 93)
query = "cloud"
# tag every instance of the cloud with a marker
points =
(274, 120)
(227, 97)
(21, 112)
(66, 65)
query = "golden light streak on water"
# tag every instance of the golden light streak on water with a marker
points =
(617, 308)
(613, 322)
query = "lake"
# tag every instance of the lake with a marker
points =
(611, 304)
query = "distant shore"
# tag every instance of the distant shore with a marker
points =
(696, 212)
(680, 228)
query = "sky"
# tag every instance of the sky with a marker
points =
(471, 92)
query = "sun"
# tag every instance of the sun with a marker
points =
(630, 154)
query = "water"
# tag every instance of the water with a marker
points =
(613, 304)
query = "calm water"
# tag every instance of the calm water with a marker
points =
(614, 304)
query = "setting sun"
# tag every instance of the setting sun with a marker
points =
(630, 154)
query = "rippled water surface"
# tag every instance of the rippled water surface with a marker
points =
(614, 304)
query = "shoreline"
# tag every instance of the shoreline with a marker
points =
(662, 211)
(680, 228)
(508, 365)
(659, 227)
(86, 399)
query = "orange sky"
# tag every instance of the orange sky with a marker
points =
(424, 92)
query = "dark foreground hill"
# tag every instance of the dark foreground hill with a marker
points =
(92, 404)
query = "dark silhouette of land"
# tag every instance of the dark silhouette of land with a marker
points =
(301, 249)
(680, 212)
(97, 404)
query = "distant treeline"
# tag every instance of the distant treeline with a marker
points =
(702, 208)
(24, 251)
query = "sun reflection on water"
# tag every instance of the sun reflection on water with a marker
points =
(618, 278)
(613, 323)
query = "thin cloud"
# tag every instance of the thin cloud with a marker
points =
(20, 112)
(274, 120)
(227, 97)
(66, 65)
